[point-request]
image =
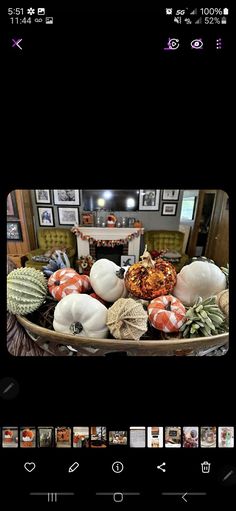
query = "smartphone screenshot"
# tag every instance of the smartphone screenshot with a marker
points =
(117, 351)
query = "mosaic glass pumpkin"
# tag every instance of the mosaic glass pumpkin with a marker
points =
(149, 279)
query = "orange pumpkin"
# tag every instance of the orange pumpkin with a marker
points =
(66, 281)
(149, 279)
(27, 433)
(166, 313)
(137, 224)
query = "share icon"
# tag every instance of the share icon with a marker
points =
(160, 467)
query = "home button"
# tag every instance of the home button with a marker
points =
(118, 497)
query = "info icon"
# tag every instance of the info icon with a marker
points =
(117, 467)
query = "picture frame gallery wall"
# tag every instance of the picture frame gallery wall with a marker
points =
(55, 208)
(62, 208)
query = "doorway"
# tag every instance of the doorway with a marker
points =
(210, 234)
(205, 221)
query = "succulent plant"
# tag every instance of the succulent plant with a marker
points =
(26, 290)
(58, 261)
(226, 273)
(204, 319)
(202, 258)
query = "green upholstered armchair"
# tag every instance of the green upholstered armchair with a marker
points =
(167, 240)
(50, 238)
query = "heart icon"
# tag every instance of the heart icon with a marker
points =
(29, 466)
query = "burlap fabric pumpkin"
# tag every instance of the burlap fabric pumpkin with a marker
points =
(127, 319)
(222, 300)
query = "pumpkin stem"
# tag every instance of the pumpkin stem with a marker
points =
(168, 307)
(57, 283)
(120, 273)
(76, 328)
(147, 260)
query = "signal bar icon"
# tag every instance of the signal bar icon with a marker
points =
(193, 13)
(199, 21)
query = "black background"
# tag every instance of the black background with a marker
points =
(105, 102)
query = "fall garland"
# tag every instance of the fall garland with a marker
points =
(106, 243)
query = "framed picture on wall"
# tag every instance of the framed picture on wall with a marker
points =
(169, 209)
(127, 260)
(68, 216)
(87, 219)
(14, 232)
(170, 195)
(12, 211)
(149, 200)
(46, 218)
(66, 197)
(42, 196)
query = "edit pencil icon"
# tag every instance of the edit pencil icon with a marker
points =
(73, 467)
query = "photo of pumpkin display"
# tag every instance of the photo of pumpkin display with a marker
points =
(10, 437)
(137, 319)
(27, 437)
(150, 278)
(78, 291)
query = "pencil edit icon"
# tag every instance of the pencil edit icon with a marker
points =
(73, 467)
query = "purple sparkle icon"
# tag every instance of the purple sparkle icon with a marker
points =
(16, 43)
(172, 44)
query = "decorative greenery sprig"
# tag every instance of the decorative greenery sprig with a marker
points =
(226, 273)
(204, 319)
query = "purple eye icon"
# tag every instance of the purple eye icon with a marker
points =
(197, 44)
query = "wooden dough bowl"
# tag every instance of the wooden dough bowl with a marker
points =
(97, 347)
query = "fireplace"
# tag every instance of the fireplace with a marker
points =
(91, 238)
(112, 253)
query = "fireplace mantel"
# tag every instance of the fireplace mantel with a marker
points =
(109, 233)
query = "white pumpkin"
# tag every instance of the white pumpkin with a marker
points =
(199, 278)
(107, 280)
(80, 314)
